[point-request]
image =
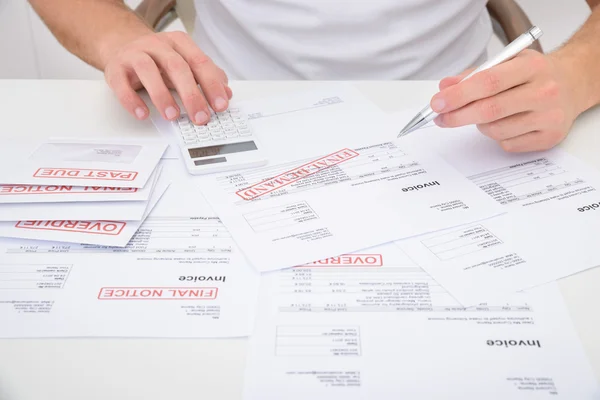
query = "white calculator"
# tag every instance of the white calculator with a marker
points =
(226, 142)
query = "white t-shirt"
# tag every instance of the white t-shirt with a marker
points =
(343, 39)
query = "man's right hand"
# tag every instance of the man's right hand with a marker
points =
(162, 61)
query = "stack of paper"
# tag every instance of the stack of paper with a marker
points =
(548, 231)
(181, 268)
(424, 259)
(83, 191)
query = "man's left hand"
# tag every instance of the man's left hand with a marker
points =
(525, 104)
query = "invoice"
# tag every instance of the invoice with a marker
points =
(549, 232)
(289, 214)
(289, 125)
(375, 326)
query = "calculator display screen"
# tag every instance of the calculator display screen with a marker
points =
(199, 152)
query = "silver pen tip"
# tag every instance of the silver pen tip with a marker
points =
(535, 32)
(404, 131)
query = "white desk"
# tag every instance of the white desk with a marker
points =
(113, 369)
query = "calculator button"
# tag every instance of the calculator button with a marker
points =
(201, 129)
(245, 132)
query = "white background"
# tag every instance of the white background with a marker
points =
(29, 51)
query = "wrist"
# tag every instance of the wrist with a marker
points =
(112, 42)
(573, 64)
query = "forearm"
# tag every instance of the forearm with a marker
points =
(91, 29)
(581, 55)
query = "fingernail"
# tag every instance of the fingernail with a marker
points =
(220, 103)
(438, 105)
(140, 113)
(171, 112)
(439, 121)
(201, 117)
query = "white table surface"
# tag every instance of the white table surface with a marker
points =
(212, 369)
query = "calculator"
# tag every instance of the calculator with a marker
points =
(226, 142)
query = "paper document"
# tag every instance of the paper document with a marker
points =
(549, 232)
(180, 276)
(80, 162)
(375, 326)
(27, 194)
(100, 232)
(291, 123)
(289, 214)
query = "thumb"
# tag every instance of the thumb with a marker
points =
(453, 80)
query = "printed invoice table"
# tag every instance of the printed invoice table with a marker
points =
(190, 369)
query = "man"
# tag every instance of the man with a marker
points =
(525, 104)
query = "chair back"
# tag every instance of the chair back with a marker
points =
(510, 21)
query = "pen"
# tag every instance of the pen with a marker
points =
(427, 115)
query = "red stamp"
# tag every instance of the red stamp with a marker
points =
(111, 228)
(82, 173)
(349, 260)
(158, 293)
(7, 190)
(291, 176)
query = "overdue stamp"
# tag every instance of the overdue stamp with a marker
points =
(7, 190)
(82, 173)
(349, 260)
(112, 228)
(158, 293)
(294, 175)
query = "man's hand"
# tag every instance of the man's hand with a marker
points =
(526, 104)
(159, 61)
(110, 36)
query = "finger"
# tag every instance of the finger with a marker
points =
(453, 80)
(482, 85)
(509, 127)
(117, 80)
(521, 123)
(149, 75)
(167, 81)
(225, 77)
(229, 92)
(511, 102)
(180, 74)
(210, 77)
(532, 141)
